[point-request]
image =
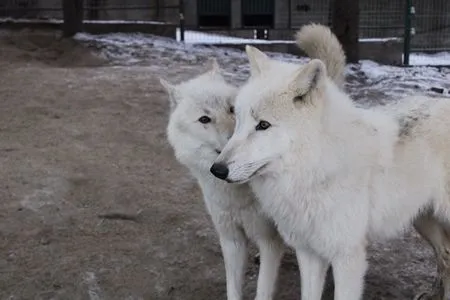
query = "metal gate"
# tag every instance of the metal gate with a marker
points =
(215, 13)
(427, 34)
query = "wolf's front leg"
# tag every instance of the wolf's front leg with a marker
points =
(348, 272)
(234, 249)
(271, 252)
(313, 270)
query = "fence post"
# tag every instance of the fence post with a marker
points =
(181, 10)
(345, 24)
(73, 17)
(290, 14)
(407, 34)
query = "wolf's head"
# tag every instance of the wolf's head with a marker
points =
(201, 117)
(279, 113)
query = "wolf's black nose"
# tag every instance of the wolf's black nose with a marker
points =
(219, 170)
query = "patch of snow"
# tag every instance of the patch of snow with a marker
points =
(366, 82)
(373, 70)
(441, 58)
(94, 290)
(379, 39)
(198, 37)
(393, 83)
(122, 22)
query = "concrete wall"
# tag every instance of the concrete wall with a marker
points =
(163, 14)
(166, 30)
(127, 14)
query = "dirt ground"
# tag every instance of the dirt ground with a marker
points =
(79, 139)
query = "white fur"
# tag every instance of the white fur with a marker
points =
(317, 41)
(234, 211)
(331, 175)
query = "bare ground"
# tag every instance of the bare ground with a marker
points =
(80, 138)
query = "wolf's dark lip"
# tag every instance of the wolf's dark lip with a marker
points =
(218, 151)
(255, 173)
(237, 182)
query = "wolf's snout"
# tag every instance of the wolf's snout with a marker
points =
(220, 170)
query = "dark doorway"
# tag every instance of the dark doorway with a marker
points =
(215, 13)
(258, 13)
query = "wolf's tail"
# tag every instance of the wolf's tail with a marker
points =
(317, 41)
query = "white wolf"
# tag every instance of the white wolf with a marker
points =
(201, 122)
(333, 176)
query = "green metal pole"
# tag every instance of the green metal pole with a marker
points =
(407, 34)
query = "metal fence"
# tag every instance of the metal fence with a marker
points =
(378, 18)
(429, 32)
(421, 28)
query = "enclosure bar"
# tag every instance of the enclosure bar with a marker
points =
(407, 35)
(182, 24)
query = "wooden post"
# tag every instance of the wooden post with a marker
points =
(182, 21)
(73, 17)
(345, 20)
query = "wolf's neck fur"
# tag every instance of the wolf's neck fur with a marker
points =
(348, 139)
(350, 146)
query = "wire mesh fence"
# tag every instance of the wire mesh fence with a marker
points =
(430, 32)
(277, 21)
(30, 9)
(381, 19)
(280, 19)
(431, 25)
(423, 34)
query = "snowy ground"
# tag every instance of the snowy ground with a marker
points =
(82, 134)
(205, 38)
(441, 58)
(365, 79)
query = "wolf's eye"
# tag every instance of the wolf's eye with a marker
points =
(204, 119)
(262, 125)
(231, 109)
(299, 98)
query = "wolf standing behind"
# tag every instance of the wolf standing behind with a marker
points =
(333, 176)
(200, 124)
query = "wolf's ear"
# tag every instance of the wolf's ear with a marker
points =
(213, 67)
(258, 60)
(171, 90)
(308, 77)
